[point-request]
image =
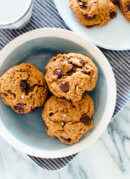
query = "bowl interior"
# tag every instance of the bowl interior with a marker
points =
(29, 128)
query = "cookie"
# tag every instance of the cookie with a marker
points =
(70, 75)
(24, 88)
(93, 12)
(125, 8)
(68, 121)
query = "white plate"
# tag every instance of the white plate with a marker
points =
(115, 35)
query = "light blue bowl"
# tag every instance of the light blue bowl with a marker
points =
(26, 132)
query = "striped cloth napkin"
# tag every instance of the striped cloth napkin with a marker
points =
(46, 15)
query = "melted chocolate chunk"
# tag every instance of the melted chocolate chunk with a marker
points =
(83, 4)
(29, 66)
(112, 14)
(85, 72)
(90, 26)
(114, 1)
(51, 114)
(64, 87)
(90, 17)
(31, 88)
(66, 140)
(71, 70)
(24, 85)
(86, 119)
(19, 107)
(128, 6)
(59, 73)
(84, 94)
(9, 91)
(5, 94)
(82, 61)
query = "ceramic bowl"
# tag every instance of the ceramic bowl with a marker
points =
(26, 132)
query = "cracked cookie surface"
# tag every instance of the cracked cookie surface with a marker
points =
(93, 12)
(23, 87)
(68, 121)
(70, 75)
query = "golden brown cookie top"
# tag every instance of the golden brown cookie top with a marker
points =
(93, 12)
(68, 121)
(23, 87)
(70, 75)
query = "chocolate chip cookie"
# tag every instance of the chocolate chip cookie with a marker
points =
(68, 121)
(24, 88)
(70, 75)
(125, 8)
(93, 12)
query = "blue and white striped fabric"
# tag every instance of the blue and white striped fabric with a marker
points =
(46, 15)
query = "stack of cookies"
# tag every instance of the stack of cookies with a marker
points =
(67, 114)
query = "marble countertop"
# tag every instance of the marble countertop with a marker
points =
(108, 158)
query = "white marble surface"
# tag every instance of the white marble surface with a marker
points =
(108, 158)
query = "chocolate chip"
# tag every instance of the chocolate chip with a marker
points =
(5, 94)
(19, 107)
(90, 26)
(82, 61)
(112, 14)
(85, 72)
(84, 94)
(114, 1)
(34, 109)
(29, 90)
(83, 4)
(128, 6)
(64, 87)
(59, 73)
(66, 140)
(86, 119)
(20, 104)
(51, 114)
(24, 85)
(29, 66)
(71, 70)
(9, 91)
(90, 17)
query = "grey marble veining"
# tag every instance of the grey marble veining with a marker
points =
(118, 135)
(108, 158)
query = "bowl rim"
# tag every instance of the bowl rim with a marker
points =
(111, 97)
